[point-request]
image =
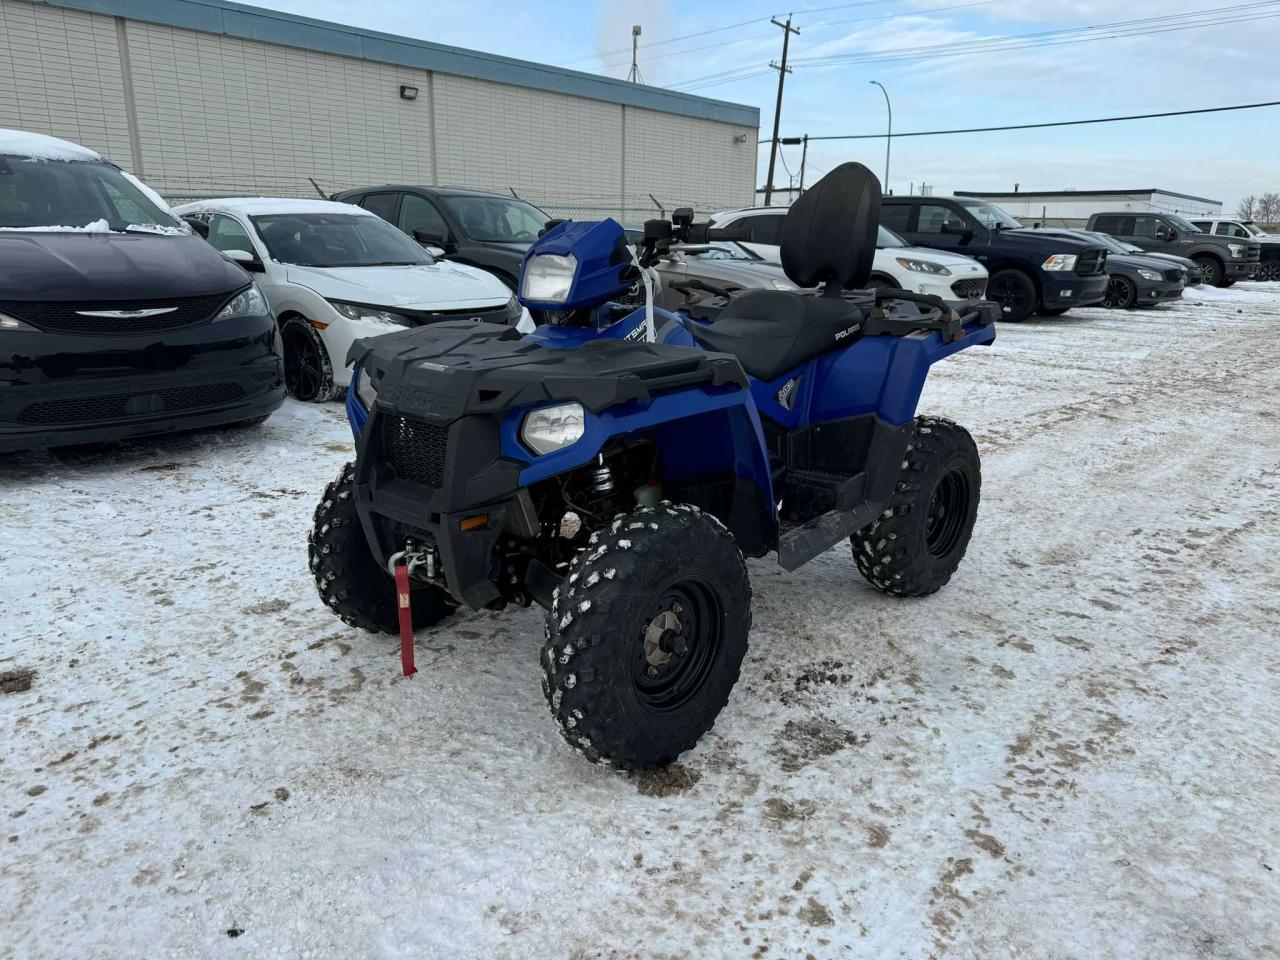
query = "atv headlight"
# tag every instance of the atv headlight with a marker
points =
(1237, 250)
(1061, 261)
(550, 428)
(1149, 275)
(365, 389)
(923, 266)
(249, 302)
(548, 277)
(358, 311)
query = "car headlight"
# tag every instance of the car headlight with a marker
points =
(9, 323)
(550, 428)
(1061, 261)
(365, 389)
(358, 311)
(249, 302)
(1149, 275)
(923, 266)
(511, 313)
(548, 277)
(1237, 250)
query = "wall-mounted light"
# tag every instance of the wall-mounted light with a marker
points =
(408, 93)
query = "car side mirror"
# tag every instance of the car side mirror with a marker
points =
(245, 259)
(199, 226)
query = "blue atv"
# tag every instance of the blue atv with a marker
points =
(616, 465)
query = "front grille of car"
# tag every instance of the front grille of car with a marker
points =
(973, 289)
(1254, 254)
(1091, 262)
(416, 450)
(64, 316)
(487, 314)
(124, 406)
(1173, 276)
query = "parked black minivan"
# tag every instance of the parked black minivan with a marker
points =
(116, 320)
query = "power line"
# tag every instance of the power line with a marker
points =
(1057, 123)
(986, 45)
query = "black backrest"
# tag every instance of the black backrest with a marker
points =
(829, 235)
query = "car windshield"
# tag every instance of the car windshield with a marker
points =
(887, 238)
(1186, 226)
(336, 240)
(1255, 230)
(78, 195)
(496, 219)
(989, 215)
(722, 251)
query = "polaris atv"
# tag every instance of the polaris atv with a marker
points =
(617, 464)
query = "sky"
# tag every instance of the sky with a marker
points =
(1222, 156)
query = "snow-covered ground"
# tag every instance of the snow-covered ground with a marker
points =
(1071, 751)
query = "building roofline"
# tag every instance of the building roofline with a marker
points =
(285, 29)
(1013, 195)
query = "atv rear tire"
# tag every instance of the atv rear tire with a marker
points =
(646, 635)
(918, 542)
(348, 578)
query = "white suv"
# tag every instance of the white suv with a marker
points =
(333, 273)
(897, 265)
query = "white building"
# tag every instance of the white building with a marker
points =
(208, 97)
(1072, 208)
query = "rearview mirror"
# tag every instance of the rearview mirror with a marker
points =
(245, 259)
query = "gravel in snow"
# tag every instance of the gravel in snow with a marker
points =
(1068, 752)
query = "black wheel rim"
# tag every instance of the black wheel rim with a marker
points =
(1117, 293)
(1010, 296)
(302, 373)
(948, 508)
(677, 646)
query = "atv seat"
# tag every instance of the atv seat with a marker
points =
(828, 238)
(772, 331)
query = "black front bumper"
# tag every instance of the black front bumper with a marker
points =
(1241, 269)
(1073, 290)
(418, 481)
(1151, 292)
(66, 388)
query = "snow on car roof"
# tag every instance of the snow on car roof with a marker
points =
(20, 143)
(255, 206)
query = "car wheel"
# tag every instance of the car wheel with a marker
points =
(1210, 271)
(1015, 292)
(1121, 294)
(308, 372)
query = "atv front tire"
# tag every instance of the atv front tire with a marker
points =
(646, 635)
(348, 578)
(918, 542)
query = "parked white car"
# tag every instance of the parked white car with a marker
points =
(897, 265)
(333, 273)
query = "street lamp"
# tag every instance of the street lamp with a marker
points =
(888, 143)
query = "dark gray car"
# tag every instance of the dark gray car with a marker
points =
(1136, 279)
(1222, 260)
(487, 230)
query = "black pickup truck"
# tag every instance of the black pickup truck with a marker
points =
(1222, 260)
(1030, 271)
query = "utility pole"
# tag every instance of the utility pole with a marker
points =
(783, 70)
(804, 156)
(634, 75)
(888, 142)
